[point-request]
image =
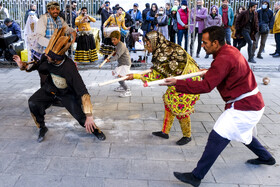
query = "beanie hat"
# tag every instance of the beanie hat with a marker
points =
(184, 2)
(174, 8)
(252, 3)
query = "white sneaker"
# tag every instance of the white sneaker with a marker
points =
(125, 94)
(121, 89)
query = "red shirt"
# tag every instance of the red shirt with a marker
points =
(225, 17)
(232, 76)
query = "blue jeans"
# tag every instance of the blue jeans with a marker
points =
(228, 35)
(180, 35)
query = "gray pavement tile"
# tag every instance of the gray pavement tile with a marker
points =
(14, 121)
(108, 106)
(163, 152)
(139, 99)
(274, 117)
(142, 115)
(261, 129)
(117, 99)
(166, 184)
(272, 128)
(267, 175)
(39, 180)
(116, 136)
(7, 180)
(206, 108)
(28, 164)
(71, 181)
(270, 140)
(18, 132)
(212, 101)
(18, 146)
(108, 168)
(5, 161)
(12, 111)
(3, 143)
(130, 106)
(208, 125)
(92, 150)
(128, 151)
(266, 119)
(199, 116)
(152, 93)
(148, 170)
(128, 124)
(197, 127)
(240, 173)
(68, 166)
(200, 138)
(153, 107)
(53, 148)
(237, 155)
(125, 182)
(158, 99)
(154, 125)
(218, 185)
(215, 115)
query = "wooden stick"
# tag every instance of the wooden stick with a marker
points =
(106, 60)
(162, 81)
(122, 78)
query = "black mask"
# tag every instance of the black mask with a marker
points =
(198, 6)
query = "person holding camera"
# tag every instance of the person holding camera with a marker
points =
(105, 11)
(265, 16)
(86, 49)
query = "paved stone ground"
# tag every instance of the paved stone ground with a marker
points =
(130, 156)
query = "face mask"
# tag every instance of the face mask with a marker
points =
(264, 6)
(160, 12)
(183, 7)
(198, 6)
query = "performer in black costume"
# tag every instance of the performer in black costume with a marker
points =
(63, 83)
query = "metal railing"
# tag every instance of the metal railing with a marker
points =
(18, 8)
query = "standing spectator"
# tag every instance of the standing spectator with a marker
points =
(213, 19)
(67, 18)
(136, 17)
(182, 23)
(247, 25)
(177, 4)
(13, 27)
(4, 13)
(236, 40)
(265, 17)
(276, 29)
(163, 22)
(86, 49)
(105, 11)
(145, 24)
(201, 14)
(115, 8)
(74, 7)
(227, 17)
(172, 24)
(33, 8)
(152, 18)
(29, 33)
(168, 9)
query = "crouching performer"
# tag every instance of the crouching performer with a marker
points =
(63, 83)
(170, 59)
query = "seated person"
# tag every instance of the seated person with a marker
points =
(13, 26)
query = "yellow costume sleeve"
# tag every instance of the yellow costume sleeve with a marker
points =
(154, 75)
(107, 21)
(92, 19)
(77, 20)
(87, 106)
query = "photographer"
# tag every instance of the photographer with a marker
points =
(13, 27)
(86, 49)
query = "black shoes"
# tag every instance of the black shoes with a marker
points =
(161, 134)
(259, 56)
(259, 161)
(99, 134)
(42, 133)
(277, 55)
(188, 178)
(206, 56)
(272, 54)
(184, 141)
(251, 60)
(197, 55)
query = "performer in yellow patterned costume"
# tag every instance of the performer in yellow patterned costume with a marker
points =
(170, 59)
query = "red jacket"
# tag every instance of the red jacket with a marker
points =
(232, 77)
(184, 17)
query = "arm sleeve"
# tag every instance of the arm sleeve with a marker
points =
(92, 19)
(179, 19)
(18, 31)
(271, 21)
(99, 10)
(149, 18)
(77, 20)
(207, 22)
(107, 21)
(204, 15)
(213, 77)
(220, 20)
(140, 17)
(154, 75)
(87, 106)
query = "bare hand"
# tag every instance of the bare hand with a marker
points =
(130, 77)
(186, 26)
(89, 124)
(17, 59)
(169, 82)
(103, 5)
(107, 60)
(128, 28)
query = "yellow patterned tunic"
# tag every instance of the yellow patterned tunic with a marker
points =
(168, 60)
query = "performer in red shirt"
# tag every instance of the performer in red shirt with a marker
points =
(235, 81)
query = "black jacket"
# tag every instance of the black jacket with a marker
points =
(145, 24)
(104, 14)
(265, 16)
